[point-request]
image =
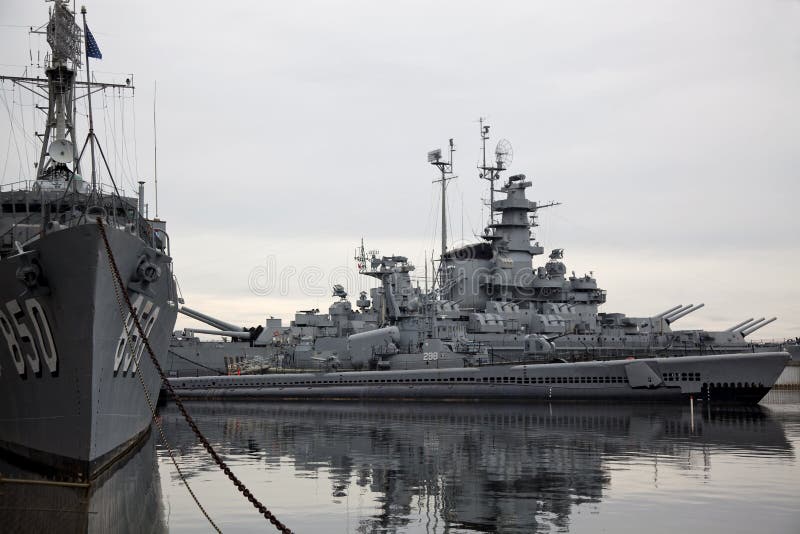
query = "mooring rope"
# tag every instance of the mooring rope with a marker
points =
(206, 444)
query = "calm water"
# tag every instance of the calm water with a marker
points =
(500, 467)
(448, 467)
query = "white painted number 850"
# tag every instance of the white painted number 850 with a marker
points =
(21, 341)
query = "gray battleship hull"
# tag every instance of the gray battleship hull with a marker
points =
(724, 379)
(202, 358)
(71, 397)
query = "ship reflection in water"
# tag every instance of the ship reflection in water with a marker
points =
(453, 467)
(124, 498)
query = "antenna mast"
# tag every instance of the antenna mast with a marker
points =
(503, 154)
(446, 168)
(487, 173)
(155, 146)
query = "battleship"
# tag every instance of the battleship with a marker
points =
(488, 296)
(72, 388)
(497, 326)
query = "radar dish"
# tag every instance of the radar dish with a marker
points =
(504, 154)
(61, 151)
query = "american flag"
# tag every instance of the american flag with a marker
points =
(92, 50)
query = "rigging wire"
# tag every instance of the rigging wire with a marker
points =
(8, 148)
(428, 221)
(465, 213)
(125, 151)
(435, 230)
(105, 128)
(24, 126)
(12, 114)
(33, 120)
(12, 131)
(117, 170)
(135, 147)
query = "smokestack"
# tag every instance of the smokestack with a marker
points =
(141, 199)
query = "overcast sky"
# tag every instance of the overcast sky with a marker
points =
(287, 131)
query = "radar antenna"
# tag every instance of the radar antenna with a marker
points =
(504, 154)
(364, 257)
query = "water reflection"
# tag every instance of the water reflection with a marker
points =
(125, 498)
(476, 467)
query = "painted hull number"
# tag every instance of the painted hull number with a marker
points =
(29, 338)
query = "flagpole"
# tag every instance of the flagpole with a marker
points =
(89, 100)
(155, 145)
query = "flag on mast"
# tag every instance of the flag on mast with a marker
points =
(92, 50)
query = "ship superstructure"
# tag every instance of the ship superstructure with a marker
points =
(494, 296)
(508, 302)
(72, 378)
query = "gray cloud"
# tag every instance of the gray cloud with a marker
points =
(670, 131)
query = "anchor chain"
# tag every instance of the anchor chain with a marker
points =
(179, 403)
(156, 421)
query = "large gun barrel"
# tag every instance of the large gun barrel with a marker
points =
(737, 326)
(668, 317)
(750, 329)
(684, 312)
(226, 333)
(662, 314)
(210, 321)
(680, 309)
(748, 325)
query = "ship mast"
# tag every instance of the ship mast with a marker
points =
(59, 137)
(446, 169)
(63, 36)
(487, 173)
(89, 102)
(155, 146)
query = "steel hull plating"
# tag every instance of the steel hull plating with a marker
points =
(732, 378)
(81, 407)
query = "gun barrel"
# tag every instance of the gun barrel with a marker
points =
(662, 314)
(682, 309)
(227, 333)
(211, 321)
(748, 325)
(749, 330)
(736, 326)
(685, 312)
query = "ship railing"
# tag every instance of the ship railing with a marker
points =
(30, 186)
(70, 209)
(21, 185)
(780, 341)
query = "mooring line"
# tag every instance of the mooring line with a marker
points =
(206, 444)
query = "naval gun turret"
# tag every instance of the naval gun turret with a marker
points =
(255, 335)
